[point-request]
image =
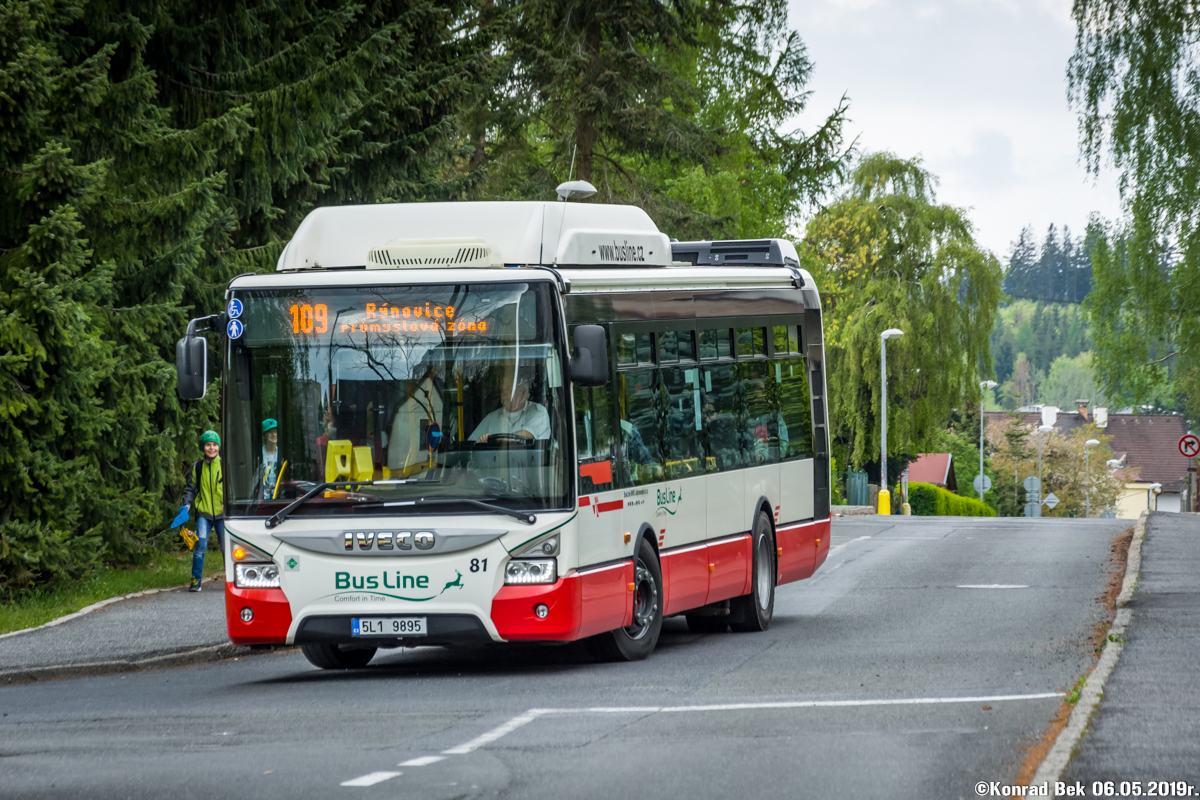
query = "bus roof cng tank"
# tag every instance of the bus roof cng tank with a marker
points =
(435, 235)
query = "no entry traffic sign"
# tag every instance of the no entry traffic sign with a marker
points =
(1189, 445)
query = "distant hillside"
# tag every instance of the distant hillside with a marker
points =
(1042, 354)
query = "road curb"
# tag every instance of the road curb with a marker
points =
(102, 604)
(197, 655)
(1056, 760)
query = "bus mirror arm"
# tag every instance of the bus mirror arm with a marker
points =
(589, 365)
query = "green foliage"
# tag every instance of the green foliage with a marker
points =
(886, 255)
(1134, 79)
(151, 152)
(675, 107)
(837, 498)
(1071, 379)
(1144, 320)
(928, 500)
(1014, 447)
(106, 211)
(1060, 272)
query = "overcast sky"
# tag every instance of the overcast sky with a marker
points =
(976, 88)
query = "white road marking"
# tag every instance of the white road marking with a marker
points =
(833, 550)
(994, 586)
(534, 713)
(423, 761)
(372, 779)
(495, 733)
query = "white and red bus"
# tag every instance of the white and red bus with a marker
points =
(515, 421)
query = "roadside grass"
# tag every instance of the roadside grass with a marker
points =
(169, 569)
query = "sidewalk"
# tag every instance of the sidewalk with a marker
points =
(1147, 727)
(165, 629)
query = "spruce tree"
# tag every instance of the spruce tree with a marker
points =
(104, 210)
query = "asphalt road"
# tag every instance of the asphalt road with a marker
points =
(882, 676)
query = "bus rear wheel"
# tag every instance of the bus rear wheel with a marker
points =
(336, 656)
(753, 612)
(637, 641)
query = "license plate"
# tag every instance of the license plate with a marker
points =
(389, 626)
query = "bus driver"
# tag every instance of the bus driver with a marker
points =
(517, 415)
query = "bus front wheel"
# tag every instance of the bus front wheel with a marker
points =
(333, 656)
(636, 641)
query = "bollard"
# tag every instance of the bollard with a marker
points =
(906, 509)
(885, 502)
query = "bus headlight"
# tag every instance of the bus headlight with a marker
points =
(531, 570)
(256, 576)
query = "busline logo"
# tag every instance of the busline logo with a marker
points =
(625, 253)
(344, 580)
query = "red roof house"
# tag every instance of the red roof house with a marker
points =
(933, 468)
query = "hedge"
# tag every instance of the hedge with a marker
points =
(928, 500)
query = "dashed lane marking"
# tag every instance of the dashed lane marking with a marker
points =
(495, 733)
(993, 586)
(423, 761)
(371, 779)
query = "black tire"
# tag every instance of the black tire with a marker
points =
(638, 640)
(698, 623)
(336, 656)
(753, 612)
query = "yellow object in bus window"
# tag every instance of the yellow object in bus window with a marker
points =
(364, 467)
(338, 455)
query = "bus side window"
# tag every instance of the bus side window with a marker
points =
(681, 441)
(722, 417)
(795, 408)
(762, 412)
(640, 420)
(594, 439)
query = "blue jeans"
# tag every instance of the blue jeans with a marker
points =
(202, 527)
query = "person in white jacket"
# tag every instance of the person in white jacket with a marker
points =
(517, 415)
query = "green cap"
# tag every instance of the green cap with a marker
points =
(268, 424)
(210, 436)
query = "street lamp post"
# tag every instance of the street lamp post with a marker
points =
(1087, 478)
(885, 498)
(1042, 429)
(983, 387)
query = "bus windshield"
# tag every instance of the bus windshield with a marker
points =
(448, 391)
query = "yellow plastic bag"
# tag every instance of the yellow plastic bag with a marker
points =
(188, 537)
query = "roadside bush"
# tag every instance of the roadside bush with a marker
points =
(928, 500)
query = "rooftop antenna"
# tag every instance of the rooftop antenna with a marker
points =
(574, 190)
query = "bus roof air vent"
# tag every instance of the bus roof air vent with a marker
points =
(433, 253)
(737, 252)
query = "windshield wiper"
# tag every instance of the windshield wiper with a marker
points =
(523, 516)
(283, 514)
(280, 516)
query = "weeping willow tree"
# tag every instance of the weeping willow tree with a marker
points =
(1135, 80)
(886, 255)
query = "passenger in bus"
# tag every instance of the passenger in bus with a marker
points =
(268, 465)
(721, 433)
(517, 415)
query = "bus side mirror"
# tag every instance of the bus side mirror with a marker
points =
(191, 367)
(589, 365)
